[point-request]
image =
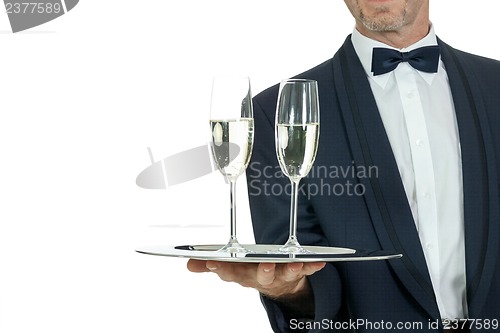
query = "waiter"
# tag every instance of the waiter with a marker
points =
(426, 116)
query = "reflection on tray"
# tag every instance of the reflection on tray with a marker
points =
(269, 250)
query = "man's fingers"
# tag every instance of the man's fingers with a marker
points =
(268, 278)
(313, 267)
(295, 271)
(292, 271)
(248, 275)
(197, 266)
(265, 273)
(213, 266)
(232, 272)
(228, 272)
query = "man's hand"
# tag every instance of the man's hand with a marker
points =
(278, 281)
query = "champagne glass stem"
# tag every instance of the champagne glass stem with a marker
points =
(232, 183)
(293, 210)
(292, 245)
(233, 246)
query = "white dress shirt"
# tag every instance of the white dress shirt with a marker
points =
(419, 118)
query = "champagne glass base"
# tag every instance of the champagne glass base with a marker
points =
(293, 247)
(233, 246)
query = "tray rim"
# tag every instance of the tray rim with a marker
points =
(348, 254)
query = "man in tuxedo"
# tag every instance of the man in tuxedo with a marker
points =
(424, 118)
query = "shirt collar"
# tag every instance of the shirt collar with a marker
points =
(364, 48)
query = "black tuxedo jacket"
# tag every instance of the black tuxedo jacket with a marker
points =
(354, 198)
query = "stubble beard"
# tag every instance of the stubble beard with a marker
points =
(384, 21)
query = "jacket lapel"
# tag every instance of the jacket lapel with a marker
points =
(385, 196)
(480, 180)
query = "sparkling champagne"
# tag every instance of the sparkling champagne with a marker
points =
(232, 145)
(296, 148)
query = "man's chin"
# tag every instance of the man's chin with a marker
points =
(383, 24)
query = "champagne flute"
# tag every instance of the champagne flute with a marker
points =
(297, 136)
(231, 126)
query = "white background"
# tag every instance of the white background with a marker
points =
(81, 99)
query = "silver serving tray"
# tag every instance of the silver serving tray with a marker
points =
(266, 253)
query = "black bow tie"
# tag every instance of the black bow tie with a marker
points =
(425, 59)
